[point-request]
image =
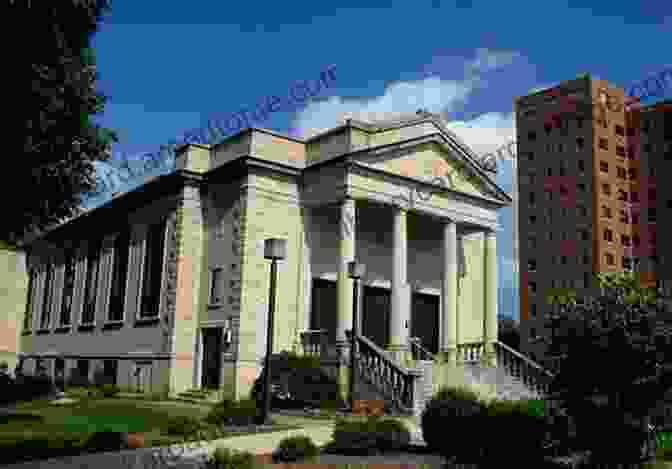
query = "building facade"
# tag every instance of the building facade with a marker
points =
(165, 288)
(592, 197)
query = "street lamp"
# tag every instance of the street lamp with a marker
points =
(355, 271)
(274, 249)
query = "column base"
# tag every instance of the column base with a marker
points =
(401, 355)
(489, 357)
(449, 356)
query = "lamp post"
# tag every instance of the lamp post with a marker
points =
(274, 249)
(356, 272)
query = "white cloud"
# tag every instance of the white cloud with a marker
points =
(434, 94)
(487, 133)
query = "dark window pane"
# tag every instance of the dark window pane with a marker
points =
(93, 263)
(68, 287)
(120, 268)
(153, 269)
(46, 304)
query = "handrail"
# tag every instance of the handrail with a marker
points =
(382, 353)
(415, 342)
(393, 381)
(529, 361)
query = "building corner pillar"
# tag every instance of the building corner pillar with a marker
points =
(490, 296)
(449, 294)
(400, 295)
(344, 288)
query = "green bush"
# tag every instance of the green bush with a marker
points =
(452, 408)
(183, 426)
(105, 441)
(306, 382)
(228, 412)
(370, 436)
(296, 448)
(512, 432)
(20, 448)
(109, 390)
(225, 458)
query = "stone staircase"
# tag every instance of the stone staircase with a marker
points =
(198, 396)
(406, 389)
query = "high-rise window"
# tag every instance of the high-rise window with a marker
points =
(582, 165)
(620, 151)
(632, 174)
(619, 130)
(48, 292)
(580, 143)
(532, 136)
(30, 303)
(609, 258)
(608, 235)
(532, 265)
(119, 272)
(153, 270)
(604, 166)
(606, 189)
(216, 286)
(91, 288)
(604, 144)
(68, 288)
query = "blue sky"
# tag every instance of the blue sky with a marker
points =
(167, 67)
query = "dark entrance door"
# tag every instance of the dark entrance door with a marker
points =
(212, 357)
(323, 308)
(376, 315)
(425, 320)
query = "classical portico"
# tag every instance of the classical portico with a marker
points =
(401, 289)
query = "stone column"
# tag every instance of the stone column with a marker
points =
(400, 304)
(449, 293)
(490, 296)
(346, 253)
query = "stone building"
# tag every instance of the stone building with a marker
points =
(166, 287)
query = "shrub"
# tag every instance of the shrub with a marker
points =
(224, 458)
(301, 377)
(228, 412)
(501, 443)
(109, 390)
(451, 408)
(21, 448)
(296, 448)
(105, 441)
(183, 426)
(369, 436)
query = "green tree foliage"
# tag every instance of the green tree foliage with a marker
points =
(617, 346)
(51, 143)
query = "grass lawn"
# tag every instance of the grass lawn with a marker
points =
(87, 415)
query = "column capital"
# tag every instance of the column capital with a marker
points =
(490, 233)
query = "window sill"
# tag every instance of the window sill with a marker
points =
(27, 333)
(43, 331)
(113, 325)
(86, 327)
(215, 305)
(143, 322)
(63, 329)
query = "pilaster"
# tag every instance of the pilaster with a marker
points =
(490, 304)
(449, 292)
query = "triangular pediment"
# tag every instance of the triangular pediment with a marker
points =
(434, 161)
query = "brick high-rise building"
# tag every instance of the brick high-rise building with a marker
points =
(592, 194)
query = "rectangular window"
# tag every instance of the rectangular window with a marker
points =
(30, 303)
(532, 265)
(153, 270)
(619, 130)
(652, 215)
(533, 287)
(216, 286)
(604, 166)
(91, 288)
(582, 165)
(532, 136)
(632, 174)
(609, 258)
(532, 201)
(110, 371)
(46, 304)
(68, 287)
(532, 242)
(83, 369)
(580, 143)
(119, 272)
(606, 189)
(620, 151)
(608, 235)
(604, 144)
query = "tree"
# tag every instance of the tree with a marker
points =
(509, 332)
(51, 143)
(617, 346)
